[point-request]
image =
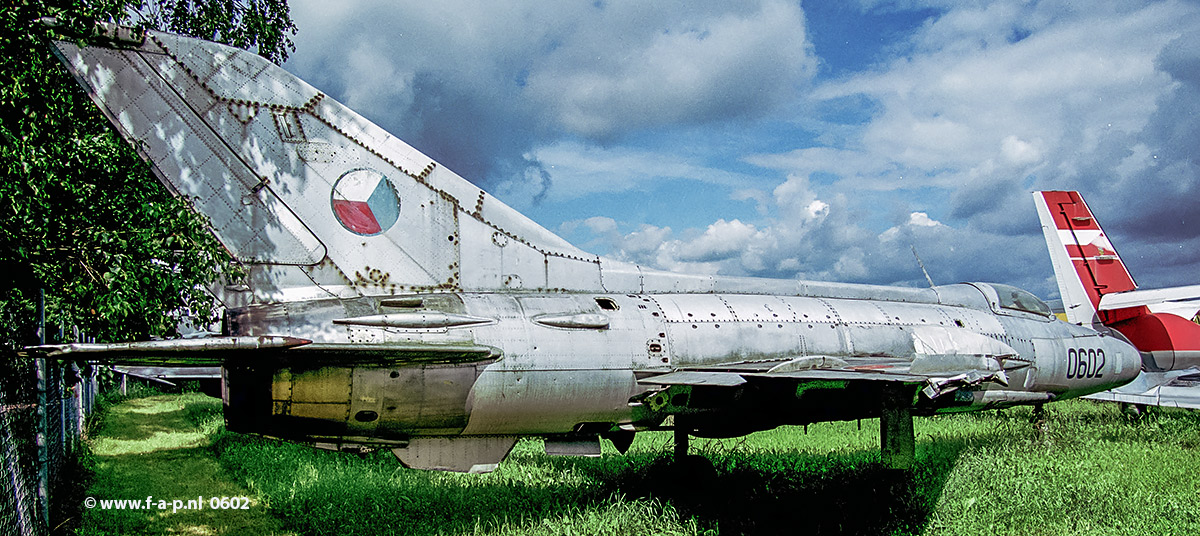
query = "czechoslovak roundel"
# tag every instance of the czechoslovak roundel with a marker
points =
(365, 202)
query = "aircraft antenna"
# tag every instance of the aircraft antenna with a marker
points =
(922, 265)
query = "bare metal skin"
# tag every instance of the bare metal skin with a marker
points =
(392, 304)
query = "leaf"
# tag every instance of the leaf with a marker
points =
(80, 213)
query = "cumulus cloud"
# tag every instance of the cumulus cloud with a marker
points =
(993, 99)
(721, 240)
(934, 146)
(479, 87)
(915, 219)
(695, 64)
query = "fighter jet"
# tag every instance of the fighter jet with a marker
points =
(1098, 291)
(391, 304)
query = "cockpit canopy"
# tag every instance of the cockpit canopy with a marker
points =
(1020, 300)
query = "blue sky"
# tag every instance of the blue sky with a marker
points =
(814, 140)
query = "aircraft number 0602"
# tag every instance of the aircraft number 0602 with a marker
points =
(1085, 363)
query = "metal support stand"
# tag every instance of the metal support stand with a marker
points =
(692, 475)
(897, 441)
(43, 418)
(681, 443)
(1040, 426)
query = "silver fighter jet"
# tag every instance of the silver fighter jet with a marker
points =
(392, 304)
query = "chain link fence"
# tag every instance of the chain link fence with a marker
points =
(44, 405)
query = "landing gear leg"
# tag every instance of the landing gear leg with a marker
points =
(897, 441)
(1134, 411)
(681, 443)
(692, 473)
(1039, 421)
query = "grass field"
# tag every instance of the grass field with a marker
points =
(1093, 471)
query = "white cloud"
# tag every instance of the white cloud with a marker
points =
(921, 219)
(696, 64)
(968, 98)
(915, 219)
(477, 86)
(646, 239)
(1020, 152)
(720, 241)
(982, 102)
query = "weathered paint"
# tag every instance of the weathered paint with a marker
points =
(554, 380)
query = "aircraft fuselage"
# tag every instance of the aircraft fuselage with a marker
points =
(570, 363)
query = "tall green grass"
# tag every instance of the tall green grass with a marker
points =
(1091, 470)
(159, 446)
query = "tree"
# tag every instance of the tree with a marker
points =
(81, 216)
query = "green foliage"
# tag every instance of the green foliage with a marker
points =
(81, 215)
(259, 25)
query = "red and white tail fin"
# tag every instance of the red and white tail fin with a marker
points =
(1086, 265)
(1097, 290)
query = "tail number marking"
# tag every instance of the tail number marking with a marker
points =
(1085, 363)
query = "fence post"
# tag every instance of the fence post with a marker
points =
(43, 417)
(79, 420)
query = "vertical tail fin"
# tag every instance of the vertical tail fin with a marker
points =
(1097, 289)
(317, 200)
(1085, 263)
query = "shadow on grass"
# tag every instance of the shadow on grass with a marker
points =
(747, 493)
(850, 493)
(143, 418)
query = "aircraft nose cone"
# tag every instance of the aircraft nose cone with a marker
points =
(1127, 362)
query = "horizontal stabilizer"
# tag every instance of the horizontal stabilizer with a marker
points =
(226, 351)
(1135, 298)
(205, 351)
